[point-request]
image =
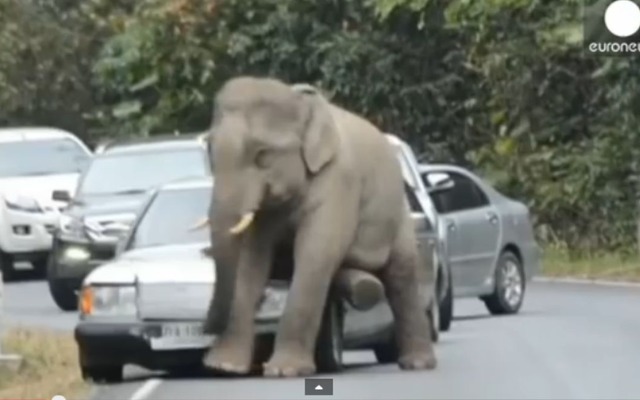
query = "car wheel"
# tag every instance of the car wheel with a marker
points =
(510, 285)
(186, 371)
(329, 346)
(64, 297)
(6, 266)
(386, 352)
(446, 306)
(263, 349)
(103, 374)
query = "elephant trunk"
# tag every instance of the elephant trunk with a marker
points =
(225, 254)
(226, 246)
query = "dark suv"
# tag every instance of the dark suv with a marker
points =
(107, 198)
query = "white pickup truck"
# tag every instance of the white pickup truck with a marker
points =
(34, 162)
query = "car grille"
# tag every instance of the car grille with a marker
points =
(174, 300)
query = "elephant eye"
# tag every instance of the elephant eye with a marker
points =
(263, 159)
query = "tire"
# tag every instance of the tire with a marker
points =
(387, 352)
(186, 371)
(446, 306)
(103, 374)
(330, 345)
(510, 286)
(9, 274)
(64, 296)
(263, 349)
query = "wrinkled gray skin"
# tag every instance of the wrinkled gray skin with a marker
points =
(328, 183)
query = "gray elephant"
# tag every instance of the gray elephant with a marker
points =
(299, 178)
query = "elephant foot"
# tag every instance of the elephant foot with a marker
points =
(289, 366)
(425, 359)
(226, 360)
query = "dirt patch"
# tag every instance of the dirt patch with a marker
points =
(49, 366)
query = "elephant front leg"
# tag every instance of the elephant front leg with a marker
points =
(315, 265)
(233, 350)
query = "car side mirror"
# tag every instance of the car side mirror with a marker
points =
(61, 195)
(438, 182)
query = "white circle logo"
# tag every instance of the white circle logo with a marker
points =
(58, 397)
(622, 18)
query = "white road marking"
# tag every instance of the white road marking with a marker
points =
(578, 281)
(146, 389)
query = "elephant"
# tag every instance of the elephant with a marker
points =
(298, 177)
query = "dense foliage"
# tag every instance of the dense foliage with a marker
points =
(502, 86)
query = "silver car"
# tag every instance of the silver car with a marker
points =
(491, 248)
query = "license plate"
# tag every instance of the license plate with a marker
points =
(178, 336)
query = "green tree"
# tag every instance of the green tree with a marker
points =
(557, 126)
(47, 49)
(161, 72)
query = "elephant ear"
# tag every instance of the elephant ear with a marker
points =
(320, 141)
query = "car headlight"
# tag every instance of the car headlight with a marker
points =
(115, 300)
(22, 203)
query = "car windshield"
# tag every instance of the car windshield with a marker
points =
(42, 157)
(141, 171)
(170, 218)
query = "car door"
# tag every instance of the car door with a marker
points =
(473, 232)
(426, 239)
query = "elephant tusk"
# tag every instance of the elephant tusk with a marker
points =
(200, 224)
(243, 224)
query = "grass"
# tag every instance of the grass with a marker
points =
(558, 262)
(49, 366)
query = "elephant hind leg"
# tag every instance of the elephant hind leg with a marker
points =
(412, 327)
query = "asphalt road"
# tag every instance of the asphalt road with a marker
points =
(569, 342)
